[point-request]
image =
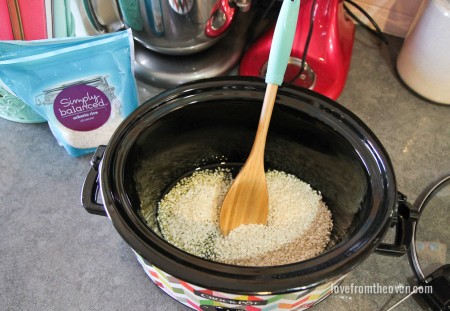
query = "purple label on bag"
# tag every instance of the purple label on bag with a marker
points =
(82, 107)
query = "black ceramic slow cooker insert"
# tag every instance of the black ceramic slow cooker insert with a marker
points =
(210, 121)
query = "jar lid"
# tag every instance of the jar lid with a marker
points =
(429, 253)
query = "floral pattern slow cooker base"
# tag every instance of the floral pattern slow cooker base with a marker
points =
(201, 299)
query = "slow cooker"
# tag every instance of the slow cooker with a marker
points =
(213, 122)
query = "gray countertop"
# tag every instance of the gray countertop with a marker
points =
(56, 256)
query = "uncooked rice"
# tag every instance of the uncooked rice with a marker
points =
(298, 227)
(95, 137)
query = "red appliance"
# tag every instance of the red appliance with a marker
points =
(328, 54)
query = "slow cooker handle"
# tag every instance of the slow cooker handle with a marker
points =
(91, 186)
(403, 221)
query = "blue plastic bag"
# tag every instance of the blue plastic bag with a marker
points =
(84, 87)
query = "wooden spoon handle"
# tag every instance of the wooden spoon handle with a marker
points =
(264, 121)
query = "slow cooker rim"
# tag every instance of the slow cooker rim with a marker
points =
(138, 243)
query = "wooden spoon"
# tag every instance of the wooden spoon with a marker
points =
(247, 200)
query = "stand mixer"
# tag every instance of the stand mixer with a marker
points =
(320, 57)
(176, 41)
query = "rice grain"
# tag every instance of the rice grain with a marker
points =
(298, 227)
